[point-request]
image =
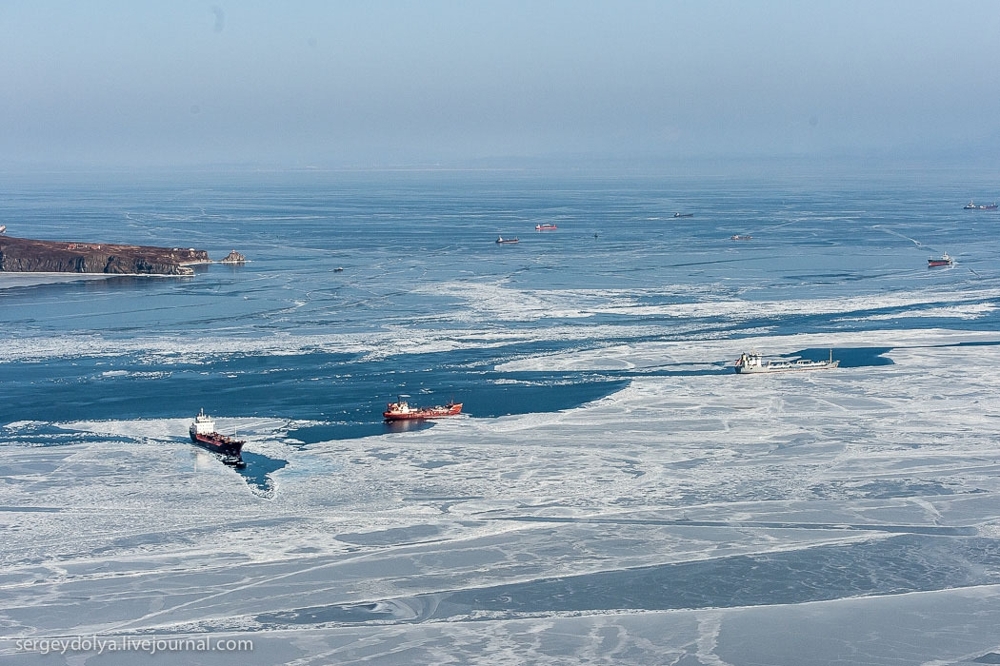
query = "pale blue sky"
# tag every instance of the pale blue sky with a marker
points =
(372, 83)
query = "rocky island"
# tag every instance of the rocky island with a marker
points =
(234, 257)
(26, 255)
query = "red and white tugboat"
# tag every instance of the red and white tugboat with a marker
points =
(401, 411)
(204, 435)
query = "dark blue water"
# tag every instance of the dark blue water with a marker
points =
(428, 305)
(257, 471)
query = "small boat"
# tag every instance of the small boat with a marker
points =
(545, 227)
(401, 411)
(3, 228)
(505, 241)
(943, 260)
(203, 434)
(974, 206)
(753, 362)
(683, 214)
(738, 237)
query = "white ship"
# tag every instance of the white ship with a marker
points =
(753, 361)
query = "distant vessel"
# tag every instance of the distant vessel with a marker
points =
(753, 362)
(943, 260)
(545, 227)
(504, 241)
(683, 214)
(974, 206)
(204, 435)
(401, 411)
(738, 237)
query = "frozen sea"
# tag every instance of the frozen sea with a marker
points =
(613, 492)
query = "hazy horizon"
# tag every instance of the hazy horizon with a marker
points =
(378, 84)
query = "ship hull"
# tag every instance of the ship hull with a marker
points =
(230, 449)
(786, 367)
(422, 413)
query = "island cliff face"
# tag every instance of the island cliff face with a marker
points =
(25, 255)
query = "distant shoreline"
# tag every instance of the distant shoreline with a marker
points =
(26, 255)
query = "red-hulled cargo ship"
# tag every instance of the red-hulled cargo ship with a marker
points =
(401, 411)
(204, 435)
(943, 260)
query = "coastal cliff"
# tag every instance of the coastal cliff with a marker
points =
(26, 255)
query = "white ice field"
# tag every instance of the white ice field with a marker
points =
(846, 516)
